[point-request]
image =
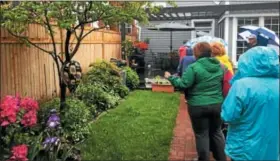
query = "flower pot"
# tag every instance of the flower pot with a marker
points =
(162, 88)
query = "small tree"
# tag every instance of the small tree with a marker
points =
(71, 17)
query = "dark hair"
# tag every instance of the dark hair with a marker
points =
(185, 41)
(202, 49)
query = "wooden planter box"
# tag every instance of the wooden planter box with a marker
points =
(162, 88)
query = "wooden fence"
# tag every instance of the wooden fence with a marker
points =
(30, 72)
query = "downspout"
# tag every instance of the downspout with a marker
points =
(139, 32)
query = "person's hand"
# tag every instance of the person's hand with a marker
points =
(167, 74)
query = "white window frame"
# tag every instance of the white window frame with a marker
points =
(212, 32)
(234, 26)
(272, 24)
(127, 26)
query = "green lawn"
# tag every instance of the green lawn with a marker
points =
(140, 128)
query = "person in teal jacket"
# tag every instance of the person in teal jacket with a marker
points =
(203, 79)
(252, 107)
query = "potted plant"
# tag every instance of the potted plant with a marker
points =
(162, 85)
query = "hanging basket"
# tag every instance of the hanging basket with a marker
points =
(72, 74)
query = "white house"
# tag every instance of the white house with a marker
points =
(215, 18)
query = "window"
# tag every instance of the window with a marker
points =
(272, 23)
(241, 43)
(203, 24)
(222, 29)
(128, 28)
(202, 28)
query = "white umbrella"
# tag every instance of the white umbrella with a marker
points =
(208, 39)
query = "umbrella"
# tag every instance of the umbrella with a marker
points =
(171, 26)
(265, 35)
(208, 39)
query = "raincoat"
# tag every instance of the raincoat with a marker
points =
(204, 80)
(252, 107)
(226, 62)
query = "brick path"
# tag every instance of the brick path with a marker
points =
(183, 144)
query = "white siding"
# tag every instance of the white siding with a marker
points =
(160, 40)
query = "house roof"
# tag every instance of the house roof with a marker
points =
(204, 12)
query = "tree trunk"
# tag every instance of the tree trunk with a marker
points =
(62, 95)
(63, 86)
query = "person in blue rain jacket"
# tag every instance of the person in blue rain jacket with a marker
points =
(252, 107)
(186, 61)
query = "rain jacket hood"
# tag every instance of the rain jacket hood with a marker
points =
(211, 65)
(251, 107)
(258, 62)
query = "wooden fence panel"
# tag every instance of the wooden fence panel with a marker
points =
(31, 72)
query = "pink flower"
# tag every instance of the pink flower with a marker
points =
(29, 104)
(5, 123)
(8, 110)
(10, 107)
(19, 153)
(29, 119)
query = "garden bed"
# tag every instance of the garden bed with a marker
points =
(140, 128)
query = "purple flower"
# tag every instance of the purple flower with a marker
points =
(50, 141)
(53, 120)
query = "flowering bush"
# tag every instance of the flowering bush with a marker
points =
(17, 117)
(8, 110)
(19, 153)
(12, 107)
(63, 130)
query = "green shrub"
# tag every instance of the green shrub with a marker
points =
(95, 95)
(121, 90)
(106, 76)
(103, 73)
(74, 118)
(132, 78)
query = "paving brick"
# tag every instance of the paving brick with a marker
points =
(183, 146)
(183, 143)
(181, 154)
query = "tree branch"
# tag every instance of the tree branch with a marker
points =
(91, 21)
(31, 43)
(79, 39)
(51, 32)
(95, 29)
(67, 42)
(76, 34)
(59, 58)
(82, 23)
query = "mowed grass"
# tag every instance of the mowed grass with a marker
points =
(140, 128)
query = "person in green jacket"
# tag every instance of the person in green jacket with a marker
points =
(204, 82)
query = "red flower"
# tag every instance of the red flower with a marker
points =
(29, 119)
(29, 104)
(10, 107)
(8, 110)
(19, 153)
